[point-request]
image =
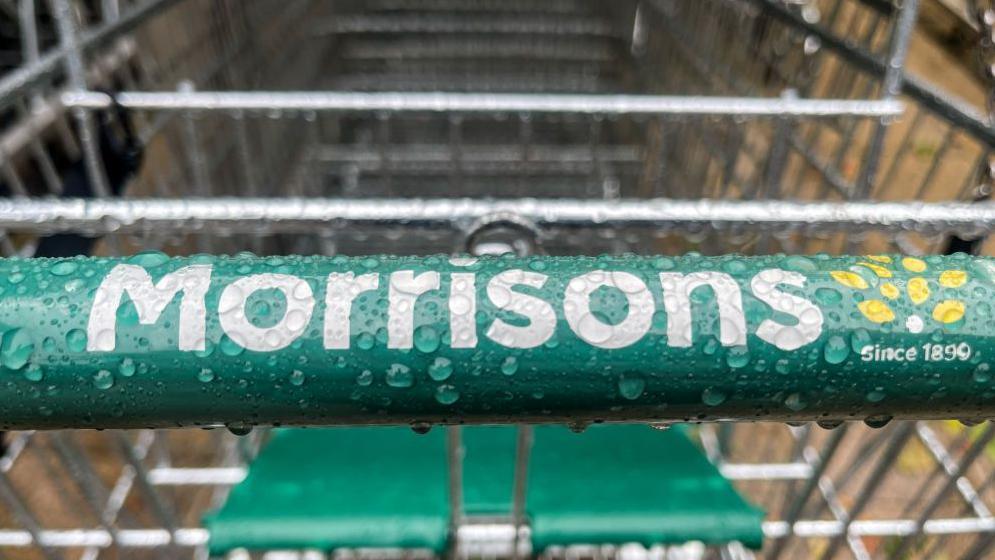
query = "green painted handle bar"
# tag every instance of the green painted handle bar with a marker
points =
(153, 341)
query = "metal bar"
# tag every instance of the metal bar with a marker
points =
(879, 527)
(830, 495)
(165, 515)
(193, 476)
(947, 465)
(193, 536)
(122, 487)
(76, 72)
(458, 158)
(514, 6)
(518, 24)
(15, 84)
(455, 453)
(977, 447)
(95, 495)
(891, 87)
(146, 538)
(485, 103)
(89, 355)
(130, 538)
(888, 456)
(29, 30)
(458, 48)
(973, 502)
(274, 215)
(798, 501)
(883, 7)
(523, 452)
(724, 76)
(956, 111)
(20, 512)
(766, 471)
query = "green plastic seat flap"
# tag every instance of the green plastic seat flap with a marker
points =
(488, 469)
(630, 483)
(370, 487)
(388, 488)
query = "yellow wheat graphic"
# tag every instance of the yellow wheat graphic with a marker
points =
(877, 309)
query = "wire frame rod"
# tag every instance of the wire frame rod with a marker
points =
(945, 105)
(15, 84)
(275, 215)
(485, 103)
(189, 537)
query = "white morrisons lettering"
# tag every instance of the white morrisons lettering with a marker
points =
(537, 317)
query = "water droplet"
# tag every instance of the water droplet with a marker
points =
(631, 387)
(34, 373)
(64, 268)
(127, 367)
(74, 285)
(713, 397)
(982, 373)
(735, 266)
(365, 341)
(229, 347)
(878, 421)
(858, 339)
(426, 339)
(206, 351)
(399, 376)
(913, 264)
(949, 311)
(205, 375)
(795, 402)
(711, 346)
(877, 395)
(661, 425)
(421, 428)
(239, 428)
(829, 424)
(509, 366)
(149, 259)
(854, 279)
(76, 340)
(17, 349)
(441, 369)
(800, 263)
(578, 427)
(446, 394)
(738, 356)
(103, 379)
(365, 378)
(297, 377)
(836, 349)
(260, 308)
(663, 263)
(782, 366)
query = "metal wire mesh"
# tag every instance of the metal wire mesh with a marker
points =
(731, 106)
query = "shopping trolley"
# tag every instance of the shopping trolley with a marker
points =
(465, 130)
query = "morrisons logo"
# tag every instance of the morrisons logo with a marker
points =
(800, 321)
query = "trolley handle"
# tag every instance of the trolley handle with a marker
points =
(153, 341)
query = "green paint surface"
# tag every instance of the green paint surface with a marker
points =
(925, 327)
